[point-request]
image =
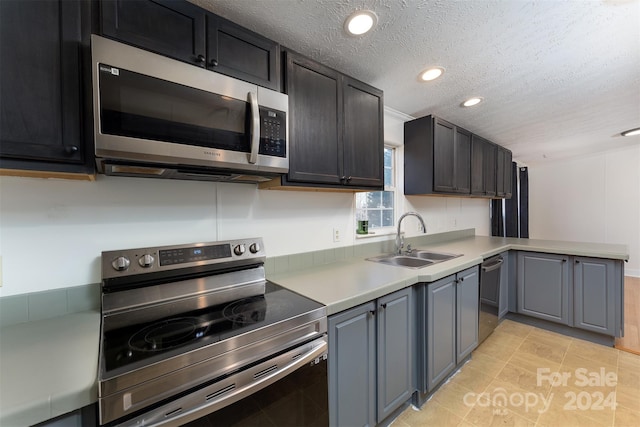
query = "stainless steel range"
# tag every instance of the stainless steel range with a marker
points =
(188, 330)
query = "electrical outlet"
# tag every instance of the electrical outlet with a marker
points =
(336, 235)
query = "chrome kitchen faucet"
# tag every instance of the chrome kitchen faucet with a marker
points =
(399, 238)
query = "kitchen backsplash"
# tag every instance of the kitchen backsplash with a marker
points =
(57, 302)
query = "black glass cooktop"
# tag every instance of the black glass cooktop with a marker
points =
(138, 345)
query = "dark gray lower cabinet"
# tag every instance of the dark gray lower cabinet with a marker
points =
(543, 286)
(371, 354)
(503, 299)
(588, 296)
(449, 325)
(596, 292)
(352, 367)
(395, 324)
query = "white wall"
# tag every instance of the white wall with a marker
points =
(594, 198)
(53, 231)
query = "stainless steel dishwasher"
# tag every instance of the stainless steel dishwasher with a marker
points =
(489, 296)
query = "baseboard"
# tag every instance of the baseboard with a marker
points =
(632, 272)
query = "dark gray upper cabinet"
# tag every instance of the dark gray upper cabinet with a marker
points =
(181, 30)
(41, 85)
(503, 173)
(173, 28)
(477, 165)
(543, 286)
(442, 158)
(241, 53)
(315, 121)
(489, 161)
(437, 157)
(335, 128)
(363, 134)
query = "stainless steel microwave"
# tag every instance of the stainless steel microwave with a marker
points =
(162, 118)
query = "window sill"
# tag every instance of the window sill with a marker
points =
(377, 233)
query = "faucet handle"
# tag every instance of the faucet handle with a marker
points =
(409, 250)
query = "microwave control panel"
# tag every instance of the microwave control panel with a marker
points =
(273, 132)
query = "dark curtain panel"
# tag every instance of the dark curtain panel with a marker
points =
(497, 221)
(511, 218)
(511, 206)
(524, 202)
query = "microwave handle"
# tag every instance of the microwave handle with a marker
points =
(255, 128)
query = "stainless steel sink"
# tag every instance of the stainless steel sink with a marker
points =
(402, 261)
(433, 256)
(415, 258)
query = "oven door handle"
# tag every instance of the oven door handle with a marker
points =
(255, 128)
(218, 395)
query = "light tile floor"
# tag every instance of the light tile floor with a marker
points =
(501, 384)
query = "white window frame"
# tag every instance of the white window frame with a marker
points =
(383, 231)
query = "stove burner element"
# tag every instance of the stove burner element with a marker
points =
(168, 334)
(246, 311)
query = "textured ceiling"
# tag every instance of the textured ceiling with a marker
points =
(559, 78)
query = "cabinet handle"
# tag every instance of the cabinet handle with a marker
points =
(564, 260)
(577, 262)
(71, 149)
(214, 62)
(201, 59)
(384, 306)
(348, 179)
(343, 178)
(372, 312)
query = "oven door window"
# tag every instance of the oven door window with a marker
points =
(138, 106)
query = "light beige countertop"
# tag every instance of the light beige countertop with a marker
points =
(48, 367)
(354, 281)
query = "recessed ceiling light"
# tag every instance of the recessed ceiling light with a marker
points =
(360, 22)
(431, 73)
(472, 101)
(631, 132)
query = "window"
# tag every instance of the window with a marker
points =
(378, 207)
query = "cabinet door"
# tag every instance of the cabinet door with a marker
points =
(363, 135)
(395, 351)
(351, 365)
(243, 54)
(441, 330)
(594, 285)
(467, 301)
(443, 157)
(489, 172)
(500, 165)
(508, 184)
(477, 166)
(40, 81)
(543, 286)
(503, 299)
(463, 161)
(168, 27)
(315, 121)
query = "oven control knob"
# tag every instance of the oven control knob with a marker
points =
(239, 250)
(254, 248)
(146, 261)
(121, 263)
